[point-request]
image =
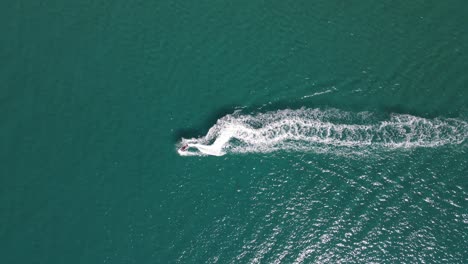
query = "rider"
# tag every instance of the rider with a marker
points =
(184, 147)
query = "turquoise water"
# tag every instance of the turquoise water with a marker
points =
(347, 130)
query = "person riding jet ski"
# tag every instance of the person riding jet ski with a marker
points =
(184, 147)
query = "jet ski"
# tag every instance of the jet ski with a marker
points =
(184, 147)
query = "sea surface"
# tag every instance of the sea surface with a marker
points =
(319, 131)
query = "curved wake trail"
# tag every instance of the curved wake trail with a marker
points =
(307, 130)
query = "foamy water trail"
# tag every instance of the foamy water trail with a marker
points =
(306, 130)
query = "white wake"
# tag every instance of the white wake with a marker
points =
(309, 129)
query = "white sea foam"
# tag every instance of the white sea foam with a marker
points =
(320, 93)
(307, 130)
